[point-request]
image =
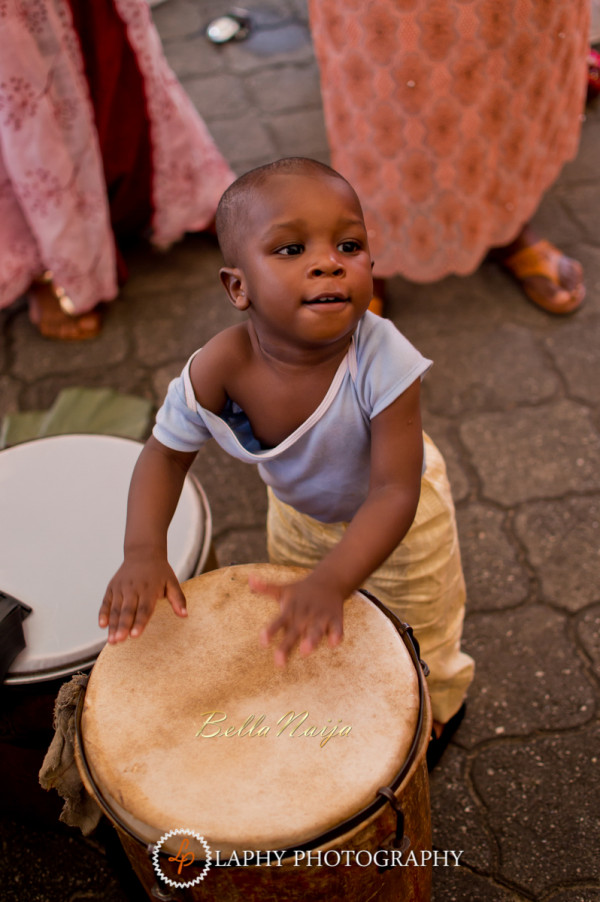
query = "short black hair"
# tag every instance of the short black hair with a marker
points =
(236, 197)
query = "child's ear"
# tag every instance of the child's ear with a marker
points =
(235, 286)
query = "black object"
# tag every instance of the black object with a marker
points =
(438, 744)
(12, 640)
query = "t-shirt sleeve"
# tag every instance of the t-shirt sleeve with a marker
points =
(176, 425)
(387, 364)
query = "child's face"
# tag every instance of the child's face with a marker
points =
(305, 265)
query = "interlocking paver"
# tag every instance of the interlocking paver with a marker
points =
(179, 327)
(303, 131)
(426, 312)
(563, 545)
(458, 817)
(493, 571)
(218, 96)
(284, 89)
(577, 894)
(178, 18)
(441, 431)
(249, 140)
(588, 632)
(575, 352)
(534, 452)
(236, 492)
(109, 349)
(190, 58)
(584, 169)
(495, 369)
(462, 885)
(289, 43)
(554, 217)
(9, 392)
(529, 676)
(546, 838)
(129, 377)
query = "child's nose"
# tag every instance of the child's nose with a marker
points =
(327, 264)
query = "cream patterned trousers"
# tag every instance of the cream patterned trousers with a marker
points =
(421, 581)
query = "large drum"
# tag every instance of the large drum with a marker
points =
(61, 534)
(318, 769)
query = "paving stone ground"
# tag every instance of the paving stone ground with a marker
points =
(513, 402)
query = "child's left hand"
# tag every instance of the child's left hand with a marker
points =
(309, 612)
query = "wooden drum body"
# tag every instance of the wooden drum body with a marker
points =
(192, 727)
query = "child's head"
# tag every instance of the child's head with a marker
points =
(292, 233)
(236, 202)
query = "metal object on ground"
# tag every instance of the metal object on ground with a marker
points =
(234, 26)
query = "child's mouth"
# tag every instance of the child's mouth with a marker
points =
(327, 299)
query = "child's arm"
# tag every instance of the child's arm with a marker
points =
(312, 608)
(145, 574)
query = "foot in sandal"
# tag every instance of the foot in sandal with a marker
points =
(549, 278)
(49, 313)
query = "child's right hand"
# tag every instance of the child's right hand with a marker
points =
(309, 612)
(132, 593)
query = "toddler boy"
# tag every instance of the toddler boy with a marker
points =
(324, 397)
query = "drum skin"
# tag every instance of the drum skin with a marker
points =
(287, 881)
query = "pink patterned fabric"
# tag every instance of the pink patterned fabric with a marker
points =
(450, 118)
(53, 207)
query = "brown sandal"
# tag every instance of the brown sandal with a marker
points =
(543, 259)
(51, 311)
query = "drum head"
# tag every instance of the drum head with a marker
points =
(64, 502)
(161, 761)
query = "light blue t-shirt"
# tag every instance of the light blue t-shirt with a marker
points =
(322, 468)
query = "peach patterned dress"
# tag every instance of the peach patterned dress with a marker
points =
(450, 118)
(54, 211)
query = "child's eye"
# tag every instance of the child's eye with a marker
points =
(349, 247)
(290, 250)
